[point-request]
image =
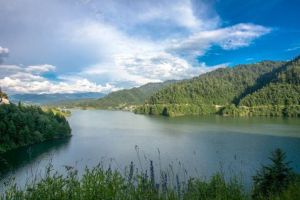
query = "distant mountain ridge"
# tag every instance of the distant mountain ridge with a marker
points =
(265, 88)
(54, 98)
(122, 99)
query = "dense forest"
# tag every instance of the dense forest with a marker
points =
(23, 125)
(122, 98)
(265, 88)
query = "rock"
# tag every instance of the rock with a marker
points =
(4, 101)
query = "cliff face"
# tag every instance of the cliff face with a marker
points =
(4, 100)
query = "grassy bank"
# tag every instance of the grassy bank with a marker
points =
(275, 181)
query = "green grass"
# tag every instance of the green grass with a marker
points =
(276, 181)
(101, 183)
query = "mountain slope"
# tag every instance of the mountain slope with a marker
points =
(281, 95)
(283, 88)
(53, 98)
(218, 87)
(123, 98)
(276, 83)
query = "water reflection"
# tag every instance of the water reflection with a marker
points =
(21, 157)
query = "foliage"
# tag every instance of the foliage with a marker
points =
(271, 180)
(122, 98)
(172, 110)
(57, 110)
(274, 94)
(218, 87)
(261, 89)
(263, 110)
(23, 125)
(101, 183)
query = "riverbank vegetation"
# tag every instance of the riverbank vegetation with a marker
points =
(272, 182)
(262, 89)
(24, 125)
(57, 110)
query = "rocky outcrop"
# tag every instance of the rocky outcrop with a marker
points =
(4, 100)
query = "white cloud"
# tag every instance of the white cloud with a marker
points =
(180, 13)
(4, 50)
(40, 69)
(16, 79)
(233, 37)
(126, 59)
(15, 70)
(3, 53)
(293, 48)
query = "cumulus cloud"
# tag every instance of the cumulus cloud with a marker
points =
(180, 13)
(14, 70)
(127, 59)
(40, 69)
(3, 53)
(233, 37)
(17, 79)
(162, 66)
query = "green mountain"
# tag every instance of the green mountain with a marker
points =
(122, 99)
(240, 90)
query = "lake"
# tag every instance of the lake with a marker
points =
(199, 145)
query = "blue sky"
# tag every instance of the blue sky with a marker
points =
(102, 46)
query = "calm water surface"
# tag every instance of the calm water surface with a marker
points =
(202, 145)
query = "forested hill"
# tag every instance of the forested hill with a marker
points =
(282, 89)
(123, 98)
(225, 90)
(23, 125)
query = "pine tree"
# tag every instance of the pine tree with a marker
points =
(274, 178)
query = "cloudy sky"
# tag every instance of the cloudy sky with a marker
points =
(102, 46)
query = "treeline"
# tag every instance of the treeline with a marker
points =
(265, 89)
(120, 99)
(272, 182)
(23, 125)
(264, 110)
(173, 110)
(217, 87)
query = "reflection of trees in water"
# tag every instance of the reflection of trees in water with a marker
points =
(26, 155)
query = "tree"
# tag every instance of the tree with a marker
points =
(274, 178)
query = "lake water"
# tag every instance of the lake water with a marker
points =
(201, 145)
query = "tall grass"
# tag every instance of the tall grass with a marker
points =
(136, 183)
(100, 183)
